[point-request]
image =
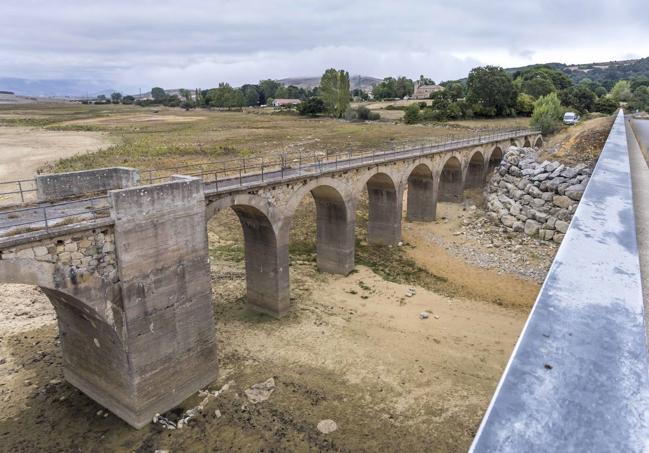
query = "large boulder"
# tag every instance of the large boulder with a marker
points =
(562, 201)
(532, 227)
(575, 192)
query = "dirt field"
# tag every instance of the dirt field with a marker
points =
(23, 150)
(360, 355)
(353, 349)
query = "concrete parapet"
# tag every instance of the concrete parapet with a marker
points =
(64, 185)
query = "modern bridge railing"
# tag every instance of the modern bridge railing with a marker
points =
(228, 175)
(578, 379)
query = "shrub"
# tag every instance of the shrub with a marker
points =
(547, 113)
(311, 107)
(363, 113)
(412, 114)
(374, 116)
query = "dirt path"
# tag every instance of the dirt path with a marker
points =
(24, 149)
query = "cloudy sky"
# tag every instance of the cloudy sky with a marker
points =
(128, 45)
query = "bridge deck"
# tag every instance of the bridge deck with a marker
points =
(578, 379)
(45, 215)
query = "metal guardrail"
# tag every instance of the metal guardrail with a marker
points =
(578, 379)
(233, 174)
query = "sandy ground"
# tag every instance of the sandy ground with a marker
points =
(24, 149)
(353, 349)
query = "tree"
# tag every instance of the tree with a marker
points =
(640, 98)
(158, 94)
(412, 114)
(537, 87)
(128, 99)
(251, 94)
(267, 89)
(225, 97)
(605, 105)
(116, 97)
(490, 91)
(547, 113)
(524, 104)
(425, 80)
(311, 107)
(358, 93)
(385, 89)
(579, 97)
(404, 87)
(557, 78)
(334, 91)
(453, 91)
(621, 91)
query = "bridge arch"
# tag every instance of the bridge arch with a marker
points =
(265, 252)
(335, 221)
(90, 319)
(495, 157)
(385, 204)
(527, 143)
(538, 143)
(422, 198)
(451, 184)
(475, 170)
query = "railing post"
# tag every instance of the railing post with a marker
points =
(47, 228)
(20, 188)
(240, 178)
(262, 168)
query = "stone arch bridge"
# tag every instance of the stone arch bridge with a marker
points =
(132, 289)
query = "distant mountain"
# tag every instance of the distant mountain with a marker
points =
(62, 88)
(355, 81)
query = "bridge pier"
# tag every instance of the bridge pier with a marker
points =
(451, 183)
(422, 196)
(267, 260)
(168, 324)
(384, 217)
(335, 232)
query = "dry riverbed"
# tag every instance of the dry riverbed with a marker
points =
(353, 349)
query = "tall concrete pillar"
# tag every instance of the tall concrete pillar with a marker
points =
(163, 267)
(335, 232)
(384, 223)
(267, 272)
(422, 197)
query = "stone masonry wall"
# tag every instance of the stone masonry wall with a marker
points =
(538, 199)
(88, 252)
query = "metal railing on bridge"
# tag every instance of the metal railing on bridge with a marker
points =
(224, 175)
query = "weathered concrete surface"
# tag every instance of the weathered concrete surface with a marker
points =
(638, 140)
(578, 379)
(161, 247)
(63, 185)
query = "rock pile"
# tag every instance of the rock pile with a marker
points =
(538, 199)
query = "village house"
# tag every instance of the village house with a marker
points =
(286, 102)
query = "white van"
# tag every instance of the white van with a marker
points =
(570, 118)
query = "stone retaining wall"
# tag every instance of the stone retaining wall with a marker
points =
(88, 252)
(538, 199)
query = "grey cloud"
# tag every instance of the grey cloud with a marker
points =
(193, 43)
